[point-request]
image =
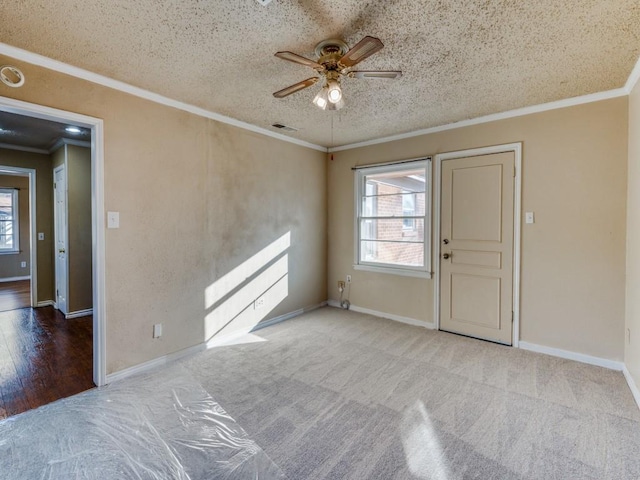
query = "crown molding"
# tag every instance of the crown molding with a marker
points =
(633, 78)
(8, 146)
(568, 102)
(51, 64)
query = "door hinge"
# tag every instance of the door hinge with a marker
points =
(511, 316)
(514, 171)
(54, 184)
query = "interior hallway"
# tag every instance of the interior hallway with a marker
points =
(14, 295)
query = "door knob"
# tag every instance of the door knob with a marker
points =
(445, 241)
(446, 255)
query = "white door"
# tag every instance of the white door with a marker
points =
(476, 246)
(60, 227)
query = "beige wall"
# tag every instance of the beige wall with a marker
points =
(196, 198)
(10, 263)
(632, 342)
(44, 214)
(573, 257)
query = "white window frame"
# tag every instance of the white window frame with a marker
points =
(360, 189)
(15, 210)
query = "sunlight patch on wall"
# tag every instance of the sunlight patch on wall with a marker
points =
(223, 286)
(422, 449)
(245, 296)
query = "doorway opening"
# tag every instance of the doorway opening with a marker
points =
(44, 300)
(17, 219)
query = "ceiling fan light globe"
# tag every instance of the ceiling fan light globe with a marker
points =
(321, 99)
(334, 91)
(321, 103)
(335, 95)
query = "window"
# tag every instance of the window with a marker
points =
(408, 210)
(9, 220)
(393, 218)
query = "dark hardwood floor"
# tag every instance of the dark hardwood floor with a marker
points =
(15, 295)
(43, 357)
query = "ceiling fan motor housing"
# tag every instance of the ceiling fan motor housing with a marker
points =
(330, 51)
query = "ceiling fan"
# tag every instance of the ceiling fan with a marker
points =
(335, 60)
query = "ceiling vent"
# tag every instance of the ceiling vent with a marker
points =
(284, 127)
(263, 2)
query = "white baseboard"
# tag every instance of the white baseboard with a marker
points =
(556, 352)
(632, 385)
(14, 279)
(47, 303)
(232, 337)
(156, 362)
(388, 316)
(172, 357)
(287, 316)
(79, 313)
(578, 357)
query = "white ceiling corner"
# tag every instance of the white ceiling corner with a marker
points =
(461, 61)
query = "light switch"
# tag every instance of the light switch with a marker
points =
(113, 219)
(529, 218)
(40, 235)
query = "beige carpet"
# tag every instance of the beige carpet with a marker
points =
(340, 395)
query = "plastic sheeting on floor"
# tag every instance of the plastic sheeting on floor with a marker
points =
(162, 425)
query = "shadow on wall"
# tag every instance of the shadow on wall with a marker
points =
(237, 302)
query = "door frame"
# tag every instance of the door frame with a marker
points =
(56, 232)
(33, 256)
(516, 148)
(97, 216)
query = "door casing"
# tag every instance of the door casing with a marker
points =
(516, 148)
(97, 216)
(30, 173)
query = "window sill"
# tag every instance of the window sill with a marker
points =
(9, 252)
(393, 271)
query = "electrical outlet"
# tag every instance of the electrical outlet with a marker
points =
(157, 330)
(348, 278)
(23, 264)
(341, 284)
(40, 235)
(259, 303)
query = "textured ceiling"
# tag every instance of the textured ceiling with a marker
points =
(461, 59)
